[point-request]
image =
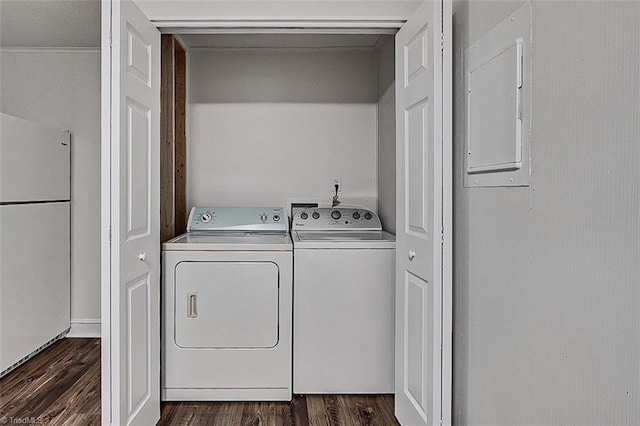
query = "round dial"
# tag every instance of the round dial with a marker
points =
(206, 217)
(335, 214)
(264, 217)
(316, 215)
(367, 215)
(356, 215)
(303, 215)
(276, 217)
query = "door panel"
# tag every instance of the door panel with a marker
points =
(417, 322)
(421, 185)
(417, 180)
(138, 148)
(138, 349)
(417, 52)
(138, 56)
(131, 265)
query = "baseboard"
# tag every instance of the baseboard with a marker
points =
(84, 328)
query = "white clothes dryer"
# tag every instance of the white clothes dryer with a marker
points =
(344, 275)
(227, 307)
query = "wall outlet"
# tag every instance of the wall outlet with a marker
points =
(336, 180)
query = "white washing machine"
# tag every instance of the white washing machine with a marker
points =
(344, 275)
(227, 307)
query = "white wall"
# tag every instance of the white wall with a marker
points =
(387, 135)
(59, 23)
(62, 88)
(546, 285)
(265, 126)
(268, 9)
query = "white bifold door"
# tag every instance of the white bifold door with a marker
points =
(130, 216)
(423, 258)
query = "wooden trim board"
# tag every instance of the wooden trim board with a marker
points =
(172, 139)
(180, 141)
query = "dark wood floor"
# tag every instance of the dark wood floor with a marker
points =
(61, 386)
(315, 410)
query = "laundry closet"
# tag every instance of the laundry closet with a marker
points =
(272, 118)
(268, 113)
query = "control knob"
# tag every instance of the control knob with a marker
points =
(356, 215)
(316, 215)
(264, 217)
(206, 217)
(335, 214)
(368, 216)
(304, 215)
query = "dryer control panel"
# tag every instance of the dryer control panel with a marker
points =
(336, 219)
(257, 219)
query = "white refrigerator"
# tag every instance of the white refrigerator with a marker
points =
(35, 238)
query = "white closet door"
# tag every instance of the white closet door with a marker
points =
(420, 286)
(130, 185)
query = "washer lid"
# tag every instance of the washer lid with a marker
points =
(343, 239)
(230, 241)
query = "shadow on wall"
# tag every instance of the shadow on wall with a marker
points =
(279, 76)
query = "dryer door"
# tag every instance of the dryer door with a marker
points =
(226, 305)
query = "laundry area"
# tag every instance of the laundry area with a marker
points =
(281, 143)
(319, 212)
(302, 121)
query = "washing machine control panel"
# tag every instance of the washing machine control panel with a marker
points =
(267, 219)
(338, 219)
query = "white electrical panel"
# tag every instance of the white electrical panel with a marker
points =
(498, 101)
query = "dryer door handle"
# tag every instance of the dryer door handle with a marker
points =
(192, 305)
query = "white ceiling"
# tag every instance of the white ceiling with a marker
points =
(50, 23)
(239, 41)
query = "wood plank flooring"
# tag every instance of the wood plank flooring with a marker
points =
(312, 410)
(61, 386)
